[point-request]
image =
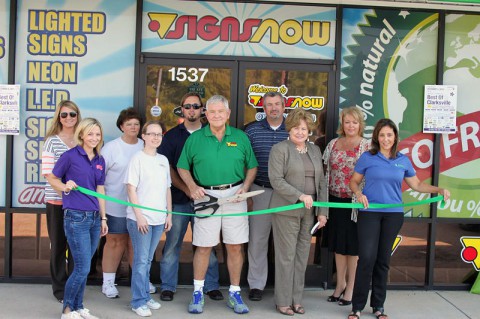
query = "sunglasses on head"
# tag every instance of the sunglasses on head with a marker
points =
(189, 106)
(64, 115)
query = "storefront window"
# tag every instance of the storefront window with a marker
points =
(2, 243)
(408, 262)
(450, 268)
(460, 152)
(31, 246)
(388, 56)
(3, 171)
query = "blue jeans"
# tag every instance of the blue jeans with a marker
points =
(82, 229)
(171, 252)
(144, 246)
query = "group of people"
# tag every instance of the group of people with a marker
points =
(172, 171)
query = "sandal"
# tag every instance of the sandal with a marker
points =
(344, 302)
(354, 314)
(380, 313)
(287, 311)
(332, 298)
(298, 309)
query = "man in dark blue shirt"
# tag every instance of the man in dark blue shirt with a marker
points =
(171, 147)
(263, 135)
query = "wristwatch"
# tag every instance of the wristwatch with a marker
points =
(104, 218)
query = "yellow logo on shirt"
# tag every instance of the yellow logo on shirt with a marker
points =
(232, 144)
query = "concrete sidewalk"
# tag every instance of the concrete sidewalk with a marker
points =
(36, 301)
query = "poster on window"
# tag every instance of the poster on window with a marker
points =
(9, 109)
(77, 50)
(439, 109)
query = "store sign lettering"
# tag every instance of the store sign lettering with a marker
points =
(52, 34)
(465, 144)
(35, 131)
(57, 33)
(62, 32)
(32, 195)
(371, 64)
(171, 26)
(2, 47)
(256, 92)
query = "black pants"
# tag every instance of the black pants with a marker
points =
(376, 234)
(59, 246)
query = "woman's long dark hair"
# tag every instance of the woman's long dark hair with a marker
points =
(375, 148)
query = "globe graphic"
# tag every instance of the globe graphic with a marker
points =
(462, 59)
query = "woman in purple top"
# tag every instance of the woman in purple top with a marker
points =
(84, 215)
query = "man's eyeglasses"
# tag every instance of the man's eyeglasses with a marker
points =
(189, 106)
(64, 115)
(159, 135)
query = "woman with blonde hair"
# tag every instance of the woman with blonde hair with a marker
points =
(58, 140)
(340, 157)
(84, 216)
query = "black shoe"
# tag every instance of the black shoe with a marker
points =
(332, 298)
(215, 294)
(343, 302)
(255, 294)
(166, 295)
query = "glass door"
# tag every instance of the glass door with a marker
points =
(163, 81)
(307, 86)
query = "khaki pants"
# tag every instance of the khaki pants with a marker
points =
(291, 236)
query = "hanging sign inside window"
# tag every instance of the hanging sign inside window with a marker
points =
(440, 109)
(10, 109)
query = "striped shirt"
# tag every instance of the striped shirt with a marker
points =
(263, 137)
(52, 150)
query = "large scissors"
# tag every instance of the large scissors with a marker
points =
(208, 204)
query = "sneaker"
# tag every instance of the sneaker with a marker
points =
(85, 314)
(152, 304)
(151, 288)
(109, 289)
(71, 315)
(142, 311)
(196, 305)
(236, 303)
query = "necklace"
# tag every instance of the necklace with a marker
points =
(302, 150)
(69, 141)
(348, 144)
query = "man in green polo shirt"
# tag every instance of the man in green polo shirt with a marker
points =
(223, 164)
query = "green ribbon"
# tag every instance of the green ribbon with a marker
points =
(264, 211)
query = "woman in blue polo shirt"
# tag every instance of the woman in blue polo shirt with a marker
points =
(384, 170)
(84, 216)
